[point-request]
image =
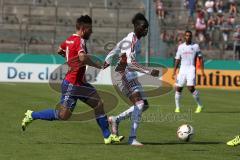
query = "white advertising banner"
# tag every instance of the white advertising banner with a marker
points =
(43, 73)
(55, 73)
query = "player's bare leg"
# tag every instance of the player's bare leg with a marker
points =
(115, 120)
(64, 113)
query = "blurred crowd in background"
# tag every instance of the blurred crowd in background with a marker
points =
(216, 24)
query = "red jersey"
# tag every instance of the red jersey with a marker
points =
(72, 46)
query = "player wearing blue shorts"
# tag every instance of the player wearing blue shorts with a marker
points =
(74, 86)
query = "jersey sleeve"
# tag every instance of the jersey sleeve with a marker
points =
(81, 47)
(134, 65)
(132, 62)
(122, 48)
(126, 46)
(178, 54)
(63, 46)
(198, 51)
(114, 52)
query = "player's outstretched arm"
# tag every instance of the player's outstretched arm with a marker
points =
(87, 60)
(202, 66)
(61, 52)
(140, 68)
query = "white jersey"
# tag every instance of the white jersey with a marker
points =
(187, 54)
(126, 51)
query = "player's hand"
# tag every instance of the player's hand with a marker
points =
(174, 76)
(99, 65)
(155, 73)
(61, 52)
(105, 65)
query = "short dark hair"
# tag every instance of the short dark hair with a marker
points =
(188, 31)
(137, 18)
(84, 19)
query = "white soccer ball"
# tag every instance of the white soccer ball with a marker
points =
(185, 132)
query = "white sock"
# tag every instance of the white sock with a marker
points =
(195, 95)
(135, 118)
(177, 99)
(125, 114)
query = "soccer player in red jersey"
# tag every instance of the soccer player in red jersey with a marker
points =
(74, 86)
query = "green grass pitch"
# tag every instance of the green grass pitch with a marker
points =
(57, 140)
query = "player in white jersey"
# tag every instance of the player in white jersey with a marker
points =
(187, 54)
(125, 76)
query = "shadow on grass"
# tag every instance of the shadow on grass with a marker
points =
(71, 143)
(125, 143)
(181, 143)
(221, 112)
(77, 143)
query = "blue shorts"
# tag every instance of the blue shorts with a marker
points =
(71, 93)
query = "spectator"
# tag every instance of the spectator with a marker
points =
(179, 37)
(210, 29)
(236, 47)
(220, 19)
(186, 4)
(200, 4)
(231, 20)
(209, 5)
(165, 37)
(233, 7)
(200, 26)
(211, 23)
(160, 9)
(219, 6)
(226, 28)
(192, 9)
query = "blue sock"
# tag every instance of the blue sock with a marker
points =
(103, 124)
(48, 114)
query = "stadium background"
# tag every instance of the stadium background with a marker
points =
(30, 32)
(39, 26)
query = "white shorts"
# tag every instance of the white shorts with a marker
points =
(127, 86)
(186, 78)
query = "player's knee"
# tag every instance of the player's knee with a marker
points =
(64, 114)
(179, 89)
(99, 109)
(146, 105)
(191, 89)
(99, 105)
(140, 105)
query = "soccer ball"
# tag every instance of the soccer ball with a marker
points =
(185, 132)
